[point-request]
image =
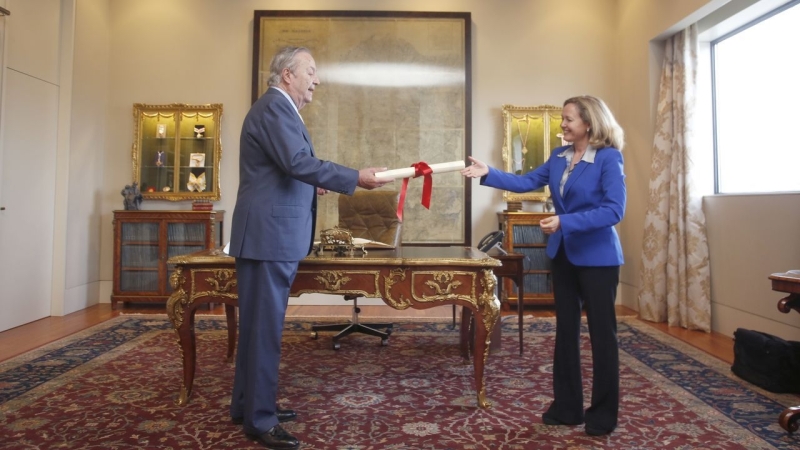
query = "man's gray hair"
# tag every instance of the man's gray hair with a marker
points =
(284, 59)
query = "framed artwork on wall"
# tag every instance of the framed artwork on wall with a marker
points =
(529, 135)
(395, 89)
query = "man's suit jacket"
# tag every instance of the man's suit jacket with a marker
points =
(275, 211)
(593, 202)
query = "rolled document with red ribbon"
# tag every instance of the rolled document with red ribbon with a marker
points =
(418, 169)
(406, 172)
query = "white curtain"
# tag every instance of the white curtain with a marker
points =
(675, 276)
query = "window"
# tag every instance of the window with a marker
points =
(756, 94)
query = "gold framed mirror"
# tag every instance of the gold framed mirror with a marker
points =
(530, 134)
(177, 151)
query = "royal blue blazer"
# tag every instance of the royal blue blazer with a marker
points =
(593, 202)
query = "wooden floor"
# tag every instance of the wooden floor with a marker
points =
(28, 337)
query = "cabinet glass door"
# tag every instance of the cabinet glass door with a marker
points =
(198, 132)
(182, 239)
(158, 151)
(139, 257)
(530, 241)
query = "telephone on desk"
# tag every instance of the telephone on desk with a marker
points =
(491, 240)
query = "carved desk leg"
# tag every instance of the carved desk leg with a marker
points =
(486, 315)
(181, 314)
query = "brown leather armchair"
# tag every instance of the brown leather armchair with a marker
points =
(368, 215)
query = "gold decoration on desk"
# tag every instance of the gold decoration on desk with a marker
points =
(489, 306)
(395, 276)
(441, 278)
(178, 300)
(337, 280)
(443, 283)
(223, 281)
(338, 240)
(332, 279)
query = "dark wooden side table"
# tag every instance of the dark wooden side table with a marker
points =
(789, 283)
(513, 267)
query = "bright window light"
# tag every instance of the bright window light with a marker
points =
(756, 82)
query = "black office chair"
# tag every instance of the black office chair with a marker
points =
(368, 215)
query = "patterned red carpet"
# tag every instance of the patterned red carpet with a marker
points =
(113, 386)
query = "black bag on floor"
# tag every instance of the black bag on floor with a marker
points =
(766, 361)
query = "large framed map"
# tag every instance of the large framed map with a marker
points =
(395, 89)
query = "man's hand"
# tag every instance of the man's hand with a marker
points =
(367, 180)
(475, 170)
(321, 191)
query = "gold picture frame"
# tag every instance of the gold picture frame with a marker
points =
(171, 160)
(395, 90)
(530, 134)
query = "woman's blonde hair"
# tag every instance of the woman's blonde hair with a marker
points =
(604, 131)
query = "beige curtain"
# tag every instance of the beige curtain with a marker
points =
(675, 276)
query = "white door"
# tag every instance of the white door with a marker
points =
(27, 184)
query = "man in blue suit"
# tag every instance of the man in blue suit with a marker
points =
(272, 230)
(587, 183)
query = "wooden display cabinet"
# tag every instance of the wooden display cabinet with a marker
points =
(524, 235)
(145, 240)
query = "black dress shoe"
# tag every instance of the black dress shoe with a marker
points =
(549, 420)
(276, 438)
(591, 431)
(284, 415)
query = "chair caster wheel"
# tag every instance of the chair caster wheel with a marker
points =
(314, 335)
(384, 342)
(336, 346)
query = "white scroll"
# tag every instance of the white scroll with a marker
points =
(407, 172)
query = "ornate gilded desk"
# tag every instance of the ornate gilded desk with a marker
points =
(790, 284)
(405, 277)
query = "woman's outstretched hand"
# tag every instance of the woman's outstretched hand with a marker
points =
(475, 170)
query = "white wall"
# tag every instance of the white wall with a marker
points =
(751, 237)
(87, 141)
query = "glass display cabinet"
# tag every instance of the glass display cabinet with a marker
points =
(524, 235)
(145, 240)
(177, 151)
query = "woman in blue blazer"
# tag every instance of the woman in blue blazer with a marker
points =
(587, 183)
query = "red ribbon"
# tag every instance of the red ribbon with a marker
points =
(420, 169)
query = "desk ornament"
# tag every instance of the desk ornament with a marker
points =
(418, 169)
(340, 241)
